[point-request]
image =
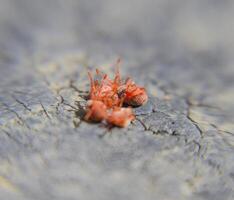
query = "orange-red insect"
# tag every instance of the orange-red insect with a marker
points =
(107, 97)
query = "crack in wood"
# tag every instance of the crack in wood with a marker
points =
(16, 114)
(45, 111)
(23, 104)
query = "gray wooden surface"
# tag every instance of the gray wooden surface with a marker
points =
(181, 145)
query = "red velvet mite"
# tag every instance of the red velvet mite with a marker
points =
(106, 98)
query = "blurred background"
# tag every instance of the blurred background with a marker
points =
(185, 47)
(189, 38)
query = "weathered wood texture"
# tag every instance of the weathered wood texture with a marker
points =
(181, 145)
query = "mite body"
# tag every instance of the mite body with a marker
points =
(133, 94)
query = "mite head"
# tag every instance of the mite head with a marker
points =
(121, 92)
(96, 111)
(120, 117)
